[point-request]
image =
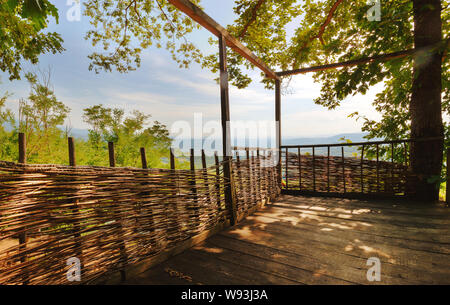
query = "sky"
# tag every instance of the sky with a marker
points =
(173, 95)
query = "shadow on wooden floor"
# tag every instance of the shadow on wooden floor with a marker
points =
(306, 240)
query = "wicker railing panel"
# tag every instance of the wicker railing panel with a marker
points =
(107, 217)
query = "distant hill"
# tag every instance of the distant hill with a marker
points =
(354, 137)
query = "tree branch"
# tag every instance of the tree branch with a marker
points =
(252, 19)
(322, 27)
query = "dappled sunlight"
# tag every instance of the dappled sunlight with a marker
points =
(349, 248)
(208, 249)
(246, 233)
(326, 229)
(335, 225)
(323, 245)
(345, 216)
(277, 256)
(358, 245)
(373, 251)
(354, 211)
(262, 226)
(285, 219)
(319, 273)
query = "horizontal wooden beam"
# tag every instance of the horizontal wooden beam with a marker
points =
(383, 57)
(349, 63)
(211, 25)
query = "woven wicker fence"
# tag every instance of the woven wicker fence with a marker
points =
(344, 175)
(379, 168)
(112, 217)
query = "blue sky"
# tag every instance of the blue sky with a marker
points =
(171, 94)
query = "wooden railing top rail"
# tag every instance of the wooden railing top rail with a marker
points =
(252, 148)
(363, 143)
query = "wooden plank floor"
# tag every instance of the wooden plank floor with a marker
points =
(305, 240)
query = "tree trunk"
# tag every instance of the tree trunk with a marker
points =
(425, 106)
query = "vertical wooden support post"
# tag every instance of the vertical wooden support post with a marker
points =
(23, 235)
(172, 159)
(194, 193)
(242, 188)
(362, 169)
(299, 169)
(71, 144)
(112, 163)
(261, 176)
(22, 148)
(174, 180)
(205, 175)
(378, 168)
(286, 169)
(278, 127)
(216, 160)
(392, 168)
(328, 169)
(405, 147)
(314, 167)
(112, 158)
(173, 206)
(250, 176)
(193, 182)
(143, 158)
(75, 209)
(226, 134)
(447, 184)
(343, 168)
(256, 178)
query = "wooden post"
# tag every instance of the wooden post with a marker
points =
(112, 158)
(328, 169)
(76, 211)
(287, 168)
(173, 207)
(193, 180)
(192, 164)
(278, 126)
(205, 175)
(23, 235)
(447, 183)
(143, 158)
(378, 168)
(343, 168)
(112, 163)
(250, 178)
(226, 134)
(256, 178)
(362, 169)
(194, 193)
(406, 154)
(172, 159)
(72, 160)
(299, 169)
(314, 167)
(22, 148)
(216, 160)
(242, 188)
(392, 168)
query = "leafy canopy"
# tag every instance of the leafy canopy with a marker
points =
(285, 34)
(22, 33)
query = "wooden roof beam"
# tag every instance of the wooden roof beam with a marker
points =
(383, 57)
(211, 25)
(349, 63)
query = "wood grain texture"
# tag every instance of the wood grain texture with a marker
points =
(301, 240)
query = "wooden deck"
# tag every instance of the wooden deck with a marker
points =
(305, 240)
